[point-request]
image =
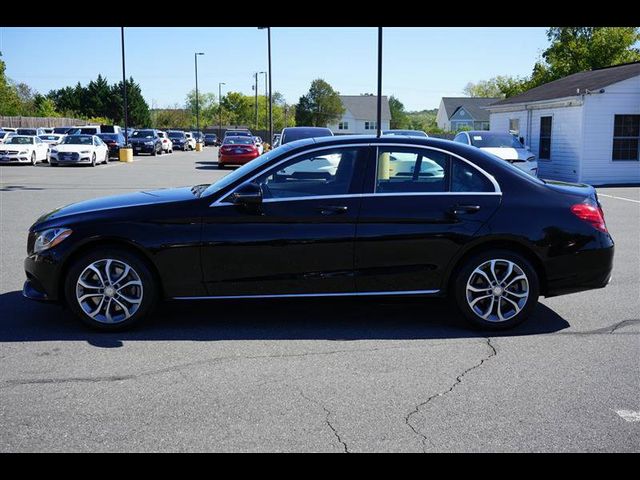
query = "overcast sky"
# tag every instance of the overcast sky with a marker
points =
(420, 65)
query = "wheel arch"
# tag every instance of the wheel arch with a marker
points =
(115, 242)
(497, 243)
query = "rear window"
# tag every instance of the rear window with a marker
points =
(238, 141)
(297, 134)
(175, 134)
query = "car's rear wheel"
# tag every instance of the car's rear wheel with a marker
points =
(93, 159)
(110, 289)
(33, 158)
(496, 289)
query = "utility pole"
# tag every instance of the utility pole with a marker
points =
(124, 88)
(256, 101)
(379, 117)
(195, 56)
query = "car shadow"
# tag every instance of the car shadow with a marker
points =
(343, 319)
(207, 165)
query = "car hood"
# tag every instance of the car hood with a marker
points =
(138, 140)
(508, 153)
(122, 201)
(73, 148)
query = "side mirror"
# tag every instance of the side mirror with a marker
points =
(247, 194)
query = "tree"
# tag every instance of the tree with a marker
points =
(9, 101)
(320, 106)
(138, 109)
(399, 117)
(500, 86)
(239, 107)
(98, 98)
(44, 107)
(576, 49)
(206, 105)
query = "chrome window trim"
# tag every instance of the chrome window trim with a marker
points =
(293, 295)
(497, 190)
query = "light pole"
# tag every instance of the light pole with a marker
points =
(269, 69)
(195, 56)
(266, 117)
(256, 89)
(220, 108)
(124, 88)
(379, 116)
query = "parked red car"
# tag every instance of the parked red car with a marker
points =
(237, 151)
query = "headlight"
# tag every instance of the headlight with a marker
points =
(85, 151)
(50, 238)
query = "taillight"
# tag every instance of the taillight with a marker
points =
(590, 214)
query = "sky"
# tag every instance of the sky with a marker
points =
(420, 65)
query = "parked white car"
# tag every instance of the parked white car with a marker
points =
(191, 142)
(5, 135)
(502, 145)
(52, 139)
(24, 149)
(79, 149)
(167, 144)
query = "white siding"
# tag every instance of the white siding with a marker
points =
(566, 144)
(597, 166)
(441, 118)
(356, 126)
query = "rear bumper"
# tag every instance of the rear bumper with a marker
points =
(583, 270)
(236, 159)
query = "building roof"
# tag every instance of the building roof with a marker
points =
(576, 84)
(476, 106)
(365, 107)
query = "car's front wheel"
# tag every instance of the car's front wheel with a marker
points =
(496, 289)
(110, 289)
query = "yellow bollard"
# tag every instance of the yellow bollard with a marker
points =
(126, 154)
(198, 147)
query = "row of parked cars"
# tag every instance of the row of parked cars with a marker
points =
(91, 144)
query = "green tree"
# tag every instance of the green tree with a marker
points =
(399, 117)
(320, 106)
(98, 98)
(138, 109)
(44, 107)
(206, 105)
(239, 107)
(9, 101)
(500, 86)
(576, 49)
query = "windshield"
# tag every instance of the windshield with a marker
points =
(244, 170)
(238, 141)
(78, 140)
(26, 131)
(494, 140)
(49, 137)
(20, 141)
(210, 135)
(176, 134)
(143, 134)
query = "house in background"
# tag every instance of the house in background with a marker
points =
(360, 115)
(583, 128)
(456, 113)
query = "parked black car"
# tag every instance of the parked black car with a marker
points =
(211, 139)
(62, 130)
(115, 141)
(146, 141)
(179, 140)
(347, 215)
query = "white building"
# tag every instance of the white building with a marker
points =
(583, 128)
(360, 115)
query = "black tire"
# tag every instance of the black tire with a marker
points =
(221, 166)
(155, 151)
(106, 158)
(53, 164)
(93, 159)
(459, 293)
(33, 158)
(149, 287)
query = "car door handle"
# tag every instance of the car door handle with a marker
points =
(460, 209)
(333, 210)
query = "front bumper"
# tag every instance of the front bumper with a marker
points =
(14, 158)
(43, 276)
(70, 160)
(144, 148)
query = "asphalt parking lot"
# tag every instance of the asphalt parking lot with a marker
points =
(306, 375)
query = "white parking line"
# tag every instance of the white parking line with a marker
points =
(618, 198)
(629, 415)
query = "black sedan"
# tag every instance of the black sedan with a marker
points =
(146, 141)
(337, 216)
(115, 141)
(179, 139)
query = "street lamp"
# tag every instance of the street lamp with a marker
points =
(270, 98)
(266, 117)
(256, 97)
(124, 87)
(220, 108)
(195, 56)
(379, 116)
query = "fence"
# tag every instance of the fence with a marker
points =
(35, 122)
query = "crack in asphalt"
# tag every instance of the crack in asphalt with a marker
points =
(327, 421)
(604, 330)
(457, 382)
(116, 378)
